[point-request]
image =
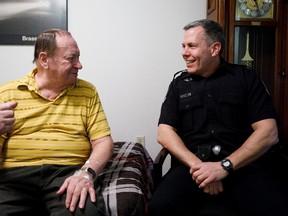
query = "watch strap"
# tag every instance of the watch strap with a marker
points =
(227, 165)
(90, 171)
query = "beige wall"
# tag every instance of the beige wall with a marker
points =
(130, 50)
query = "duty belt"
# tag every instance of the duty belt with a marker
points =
(209, 152)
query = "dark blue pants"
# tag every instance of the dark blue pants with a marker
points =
(248, 192)
(32, 191)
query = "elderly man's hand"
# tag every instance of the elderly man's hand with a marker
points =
(77, 188)
(7, 116)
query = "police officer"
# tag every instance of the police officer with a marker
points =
(216, 121)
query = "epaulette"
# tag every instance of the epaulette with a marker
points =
(179, 73)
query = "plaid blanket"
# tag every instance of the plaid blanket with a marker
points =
(127, 181)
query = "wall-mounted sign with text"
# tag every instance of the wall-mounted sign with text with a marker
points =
(22, 21)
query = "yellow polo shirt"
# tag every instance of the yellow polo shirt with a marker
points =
(51, 132)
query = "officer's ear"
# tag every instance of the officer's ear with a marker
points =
(215, 48)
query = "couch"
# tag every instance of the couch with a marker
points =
(127, 180)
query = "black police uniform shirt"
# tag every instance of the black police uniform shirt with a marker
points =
(217, 110)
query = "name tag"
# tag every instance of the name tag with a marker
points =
(185, 95)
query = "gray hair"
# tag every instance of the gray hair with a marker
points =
(213, 31)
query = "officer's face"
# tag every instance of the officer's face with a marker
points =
(197, 53)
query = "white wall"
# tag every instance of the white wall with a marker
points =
(130, 50)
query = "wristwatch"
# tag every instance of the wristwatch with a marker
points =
(90, 171)
(227, 165)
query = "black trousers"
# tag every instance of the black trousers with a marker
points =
(248, 192)
(32, 191)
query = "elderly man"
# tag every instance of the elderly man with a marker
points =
(60, 139)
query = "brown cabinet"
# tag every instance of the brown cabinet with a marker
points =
(256, 32)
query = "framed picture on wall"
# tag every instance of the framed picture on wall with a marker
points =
(22, 21)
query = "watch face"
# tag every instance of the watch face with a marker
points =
(254, 9)
(226, 163)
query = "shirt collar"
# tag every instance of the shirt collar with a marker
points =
(28, 82)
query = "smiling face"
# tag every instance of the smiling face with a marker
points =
(201, 55)
(63, 66)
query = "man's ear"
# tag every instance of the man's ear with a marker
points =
(215, 48)
(43, 60)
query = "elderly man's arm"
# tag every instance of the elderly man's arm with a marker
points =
(102, 151)
(81, 184)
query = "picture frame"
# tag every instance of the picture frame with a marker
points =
(22, 21)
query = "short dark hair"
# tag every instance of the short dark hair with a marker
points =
(46, 42)
(213, 31)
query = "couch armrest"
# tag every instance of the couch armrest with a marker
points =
(127, 180)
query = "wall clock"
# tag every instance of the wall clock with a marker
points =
(254, 9)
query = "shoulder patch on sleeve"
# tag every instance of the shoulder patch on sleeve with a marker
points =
(179, 73)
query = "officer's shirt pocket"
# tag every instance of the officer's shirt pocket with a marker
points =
(232, 109)
(191, 111)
